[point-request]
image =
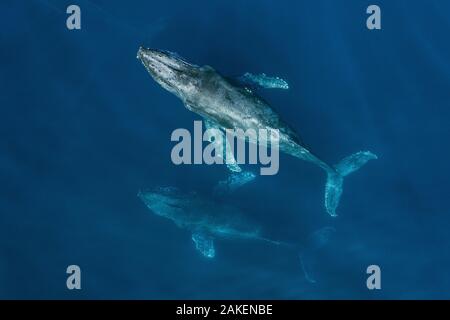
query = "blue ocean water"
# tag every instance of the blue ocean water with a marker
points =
(84, 128)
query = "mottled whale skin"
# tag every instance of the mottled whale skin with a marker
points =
(230, 106)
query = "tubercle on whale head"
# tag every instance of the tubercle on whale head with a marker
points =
(171, 71)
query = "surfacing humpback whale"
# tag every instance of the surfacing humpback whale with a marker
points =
(226, 105)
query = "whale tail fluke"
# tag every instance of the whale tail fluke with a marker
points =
(335, 178)
(308, 255)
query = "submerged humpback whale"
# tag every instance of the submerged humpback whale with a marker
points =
(208, 220)
(205, 219)
(225, 104)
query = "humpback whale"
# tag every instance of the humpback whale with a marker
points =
(227, 104)
(205, 219)
(208, 220)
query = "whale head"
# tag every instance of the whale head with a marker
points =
(167, 202)
(171, 71)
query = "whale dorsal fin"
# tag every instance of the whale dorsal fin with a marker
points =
(262, 81)
(204, 243)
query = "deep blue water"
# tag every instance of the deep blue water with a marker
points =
(84, 127)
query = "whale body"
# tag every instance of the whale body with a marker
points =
(205, 219)
(226, 104)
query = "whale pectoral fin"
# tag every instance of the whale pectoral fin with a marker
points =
(237, 177)
(263, 81)
(230, 161)
(227, 155)
(210, 124)
(204, 243)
